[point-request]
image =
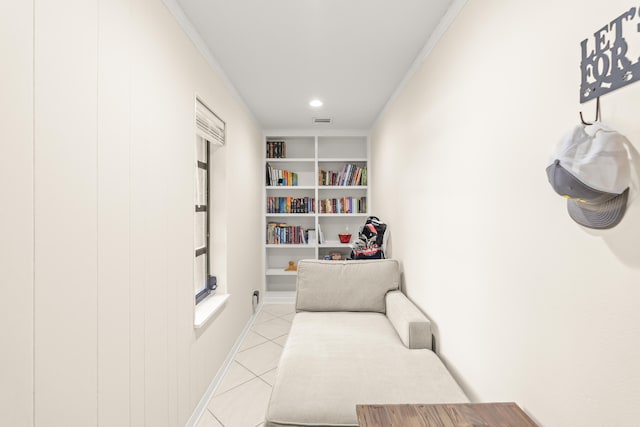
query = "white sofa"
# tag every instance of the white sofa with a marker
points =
(355, 339)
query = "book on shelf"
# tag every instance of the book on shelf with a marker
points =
(350, 175)
(276, 150)
(281, 177)
(343, 205)
(284, 234)
(290, 205)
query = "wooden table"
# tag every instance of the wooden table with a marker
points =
(444, 415)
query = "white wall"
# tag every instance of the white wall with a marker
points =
(97, 173)
(528, 306)
(16, 215)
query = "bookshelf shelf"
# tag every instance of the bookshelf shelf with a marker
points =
(343, 160)
(325, 215)
(290, 215)
(280, 272)
(311, 160)
(342, 187)
(290, 160)
(335, 244)
(289, 246)
(290, 187)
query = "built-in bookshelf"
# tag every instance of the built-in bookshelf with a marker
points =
(316, 187)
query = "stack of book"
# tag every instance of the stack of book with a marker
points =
(290, 204)
(351, 174)
(343, 205)
(281, 177)
(283, 234)
(276, 150)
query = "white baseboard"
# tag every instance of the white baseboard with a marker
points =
(204, 401)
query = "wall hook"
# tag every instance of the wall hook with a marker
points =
(597, 113)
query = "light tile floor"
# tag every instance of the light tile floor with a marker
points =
(243, 394)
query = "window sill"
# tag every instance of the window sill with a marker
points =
(207, 308)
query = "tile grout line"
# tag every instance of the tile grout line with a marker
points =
(260, 380)
(216, 418)
(266, 338)
(238, 385)
(209, 394)
(255, 375)
(253, 346)
(263, 380)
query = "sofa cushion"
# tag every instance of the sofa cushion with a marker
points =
(333, 361)
(345, 285)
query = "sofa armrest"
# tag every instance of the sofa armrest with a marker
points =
(412, 326)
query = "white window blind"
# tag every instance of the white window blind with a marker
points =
(208, 125)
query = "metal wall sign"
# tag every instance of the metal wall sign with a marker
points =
(609, 60)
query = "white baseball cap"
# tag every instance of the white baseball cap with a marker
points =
(591, 169)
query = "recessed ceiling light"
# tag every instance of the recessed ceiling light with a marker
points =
(316, 103)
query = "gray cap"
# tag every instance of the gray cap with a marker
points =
(587, 206)
(591, 170)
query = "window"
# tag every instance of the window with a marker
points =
(210, 134)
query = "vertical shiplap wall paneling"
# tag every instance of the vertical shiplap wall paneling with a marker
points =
(173, 278)
(137, 268)
(151, 138)
(114, 144)
(16, 215)
(181, 275)
(155, 282)
(97, 216)
(180, 190)
(180, 113)
(141, 209)
(175, 275)
(197, 364)
(179, 133)
(65, 87)
(159, 127)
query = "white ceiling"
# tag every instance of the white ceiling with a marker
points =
(280, 54)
